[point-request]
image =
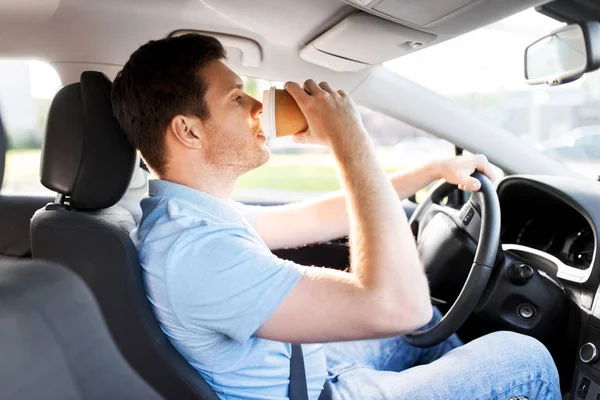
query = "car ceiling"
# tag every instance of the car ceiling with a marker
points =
(106, 32)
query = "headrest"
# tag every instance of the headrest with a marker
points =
(86, 155)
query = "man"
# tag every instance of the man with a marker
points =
(232, 308)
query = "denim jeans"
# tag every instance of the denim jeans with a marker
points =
(498, 366)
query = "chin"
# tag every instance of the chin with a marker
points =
(265, 156)
(258, 159)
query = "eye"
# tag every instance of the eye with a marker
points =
(238, 99)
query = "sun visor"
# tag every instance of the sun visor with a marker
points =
(361, 40)
(34, 11)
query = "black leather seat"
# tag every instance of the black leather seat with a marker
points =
(86, 159)
(54, 344)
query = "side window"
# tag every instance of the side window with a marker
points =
(300, 171)
(26, 90)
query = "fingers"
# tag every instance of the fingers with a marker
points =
(299, 94)
(471, 185)
(302, 94)
(325, 86)
(484, 166)
(312, 87)
(300, 138)
(329, 113)
(306, 137)
(479, 163)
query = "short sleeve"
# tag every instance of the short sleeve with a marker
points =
(250, 212)
(225, 280)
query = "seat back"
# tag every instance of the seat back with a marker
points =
(54, 344)
(87, 160)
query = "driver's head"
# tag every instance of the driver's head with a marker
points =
(185, 110)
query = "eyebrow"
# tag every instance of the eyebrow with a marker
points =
(235, 87)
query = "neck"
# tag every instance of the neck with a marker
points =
(218, 182)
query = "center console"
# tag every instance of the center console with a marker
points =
(586, 378)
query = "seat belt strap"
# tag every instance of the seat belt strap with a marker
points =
(298, 388)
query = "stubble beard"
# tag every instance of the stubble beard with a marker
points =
(234, 156)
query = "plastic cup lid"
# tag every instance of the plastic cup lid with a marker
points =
(269, 113)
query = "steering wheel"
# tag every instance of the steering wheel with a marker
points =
(433, 223)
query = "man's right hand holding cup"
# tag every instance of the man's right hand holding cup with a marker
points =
(333, 118)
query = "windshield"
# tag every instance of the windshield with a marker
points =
(483, 70)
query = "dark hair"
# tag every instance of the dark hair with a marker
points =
(161, 80)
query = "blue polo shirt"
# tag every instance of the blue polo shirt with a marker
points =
(213, 282)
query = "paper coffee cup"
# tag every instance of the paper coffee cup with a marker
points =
(281, 114)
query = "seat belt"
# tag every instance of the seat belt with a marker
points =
(298, 388)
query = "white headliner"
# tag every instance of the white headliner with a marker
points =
(106, 32)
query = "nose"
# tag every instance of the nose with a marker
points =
(257, 108)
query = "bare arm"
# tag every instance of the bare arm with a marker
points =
(386, 292)
(326, 218)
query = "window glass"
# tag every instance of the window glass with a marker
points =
(26, 90)
(483, 70)
(294, 172)
(299, 171)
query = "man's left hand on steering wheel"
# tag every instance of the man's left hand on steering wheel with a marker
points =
(458, 171)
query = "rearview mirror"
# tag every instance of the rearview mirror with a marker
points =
(564, 55)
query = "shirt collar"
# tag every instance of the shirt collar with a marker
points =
(196, 198)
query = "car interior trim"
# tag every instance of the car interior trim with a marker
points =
(563, 271)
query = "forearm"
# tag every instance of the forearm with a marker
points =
(409, 181)
(383, 253)
(326, 218)
(296, 224)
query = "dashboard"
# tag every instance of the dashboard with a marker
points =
(545, 221)
(548, 285)
(549, 225)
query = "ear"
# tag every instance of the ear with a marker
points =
(187, 130)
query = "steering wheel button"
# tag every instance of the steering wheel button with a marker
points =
(526, 311)
(468, 216)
